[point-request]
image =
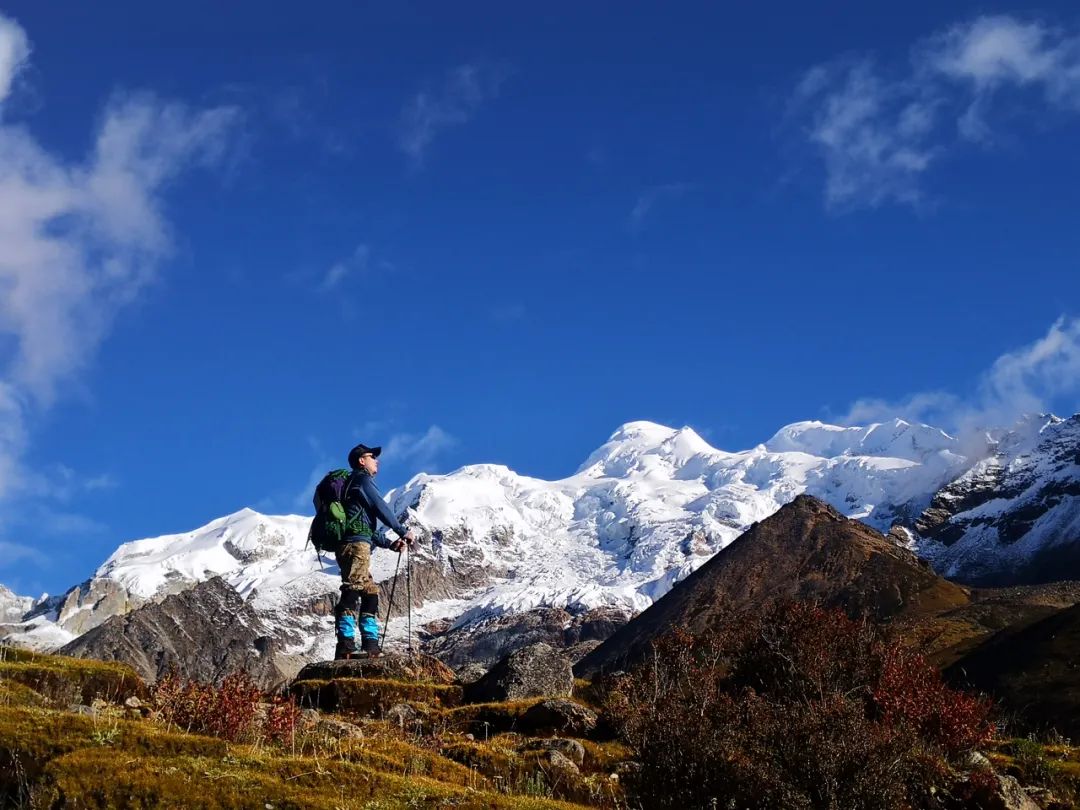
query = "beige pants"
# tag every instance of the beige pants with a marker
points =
(354, 560)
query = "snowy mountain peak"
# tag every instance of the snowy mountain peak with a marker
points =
(896, 439)
(244, 543)
(643, 447)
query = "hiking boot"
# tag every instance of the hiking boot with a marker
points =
(344, 651)
(371, 647)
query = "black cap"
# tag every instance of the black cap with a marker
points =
(359, 450)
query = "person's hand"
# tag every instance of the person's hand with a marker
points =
(410, 538)
(398, 546)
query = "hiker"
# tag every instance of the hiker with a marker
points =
(358, 606)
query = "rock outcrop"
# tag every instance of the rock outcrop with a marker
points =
(203, 633)
(538, 670)
(423, 668)
(560, 716)
(485, 641)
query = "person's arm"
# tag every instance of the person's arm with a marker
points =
(380, 539)
(371, 492)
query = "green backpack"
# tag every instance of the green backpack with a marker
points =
(331, 524)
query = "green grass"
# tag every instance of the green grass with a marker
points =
(50, 757)
(62, 680)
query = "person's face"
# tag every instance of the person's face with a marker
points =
(369, 464)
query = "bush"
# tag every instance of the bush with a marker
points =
(232, 711)
(803, 708)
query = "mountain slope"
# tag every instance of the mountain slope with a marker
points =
(1034, 671)
(807, 551)
(1014, 517)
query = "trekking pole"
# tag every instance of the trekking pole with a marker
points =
(408, 595)
(390, 606)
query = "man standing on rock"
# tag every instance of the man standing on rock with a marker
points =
(358, 607)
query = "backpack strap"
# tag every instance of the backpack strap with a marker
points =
(363, 530)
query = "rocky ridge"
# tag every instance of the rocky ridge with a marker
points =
(1014, 517)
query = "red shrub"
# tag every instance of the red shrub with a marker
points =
(282, 718)
(228, 711)
(801, 708)
(910, 690)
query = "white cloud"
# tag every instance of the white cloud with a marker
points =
(79, 240)
(873, 136)
(463, 91)
(14, 51)
(1042, 377)
(419, 450)
(878, 134)
(999, 50)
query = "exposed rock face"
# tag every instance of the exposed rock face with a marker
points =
(203, 633)
(1014, 517)
(538, 670)
(484, 642)
(808, 552)
(88, 605)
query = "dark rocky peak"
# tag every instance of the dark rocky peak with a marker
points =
(807, 551)
(203, 633)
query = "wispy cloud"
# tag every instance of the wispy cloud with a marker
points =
(11, 553)
(651, 196)
(343, 268)
(463, 91)
(880, 132)
(421, 449)
(1041, 377)
(79, 241)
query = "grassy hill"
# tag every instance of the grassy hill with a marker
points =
(76, 732)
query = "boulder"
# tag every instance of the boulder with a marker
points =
(1006, 794)
(471, 673)
(560, 763)
(538, 670)
(392, 667)
(571, 749)
(313, 722)
(560, 716)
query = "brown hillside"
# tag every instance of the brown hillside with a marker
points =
(1035, 672)
(806, 551)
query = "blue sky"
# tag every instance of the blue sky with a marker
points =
(234, 240)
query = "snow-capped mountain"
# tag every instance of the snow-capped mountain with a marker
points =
(1014, 517)
(643, 511)
(653, 503)
(646, 509)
